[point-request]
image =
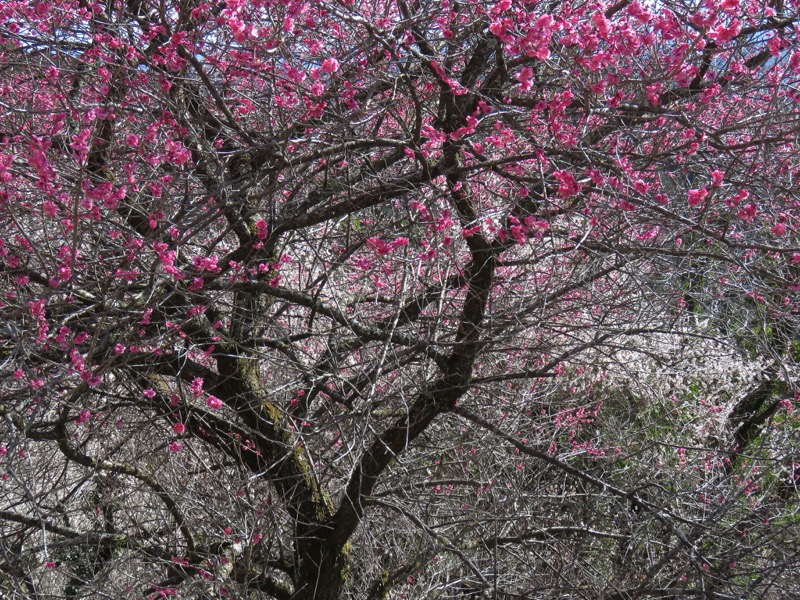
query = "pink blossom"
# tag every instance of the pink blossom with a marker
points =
(379, 245)
(175, 447)
(470, 231)
(207, 263)
(525, 78)
(602, 23)
(330, 65)
(696, 197)
(725, 34)
(501, 6)
(214, 402)
(779, 229)
(177, 153)
(262, 228)
(50, 209)
(568, 186)
(794, 62)
(497, 28)
(735, 200)
(748, 213)
(639, 13)
(179, 428)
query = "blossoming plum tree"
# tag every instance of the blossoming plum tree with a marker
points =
(399, 298)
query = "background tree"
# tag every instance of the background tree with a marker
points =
(399, 299)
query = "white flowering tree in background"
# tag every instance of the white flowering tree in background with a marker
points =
(399, 299)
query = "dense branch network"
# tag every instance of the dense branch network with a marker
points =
(398, 299)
